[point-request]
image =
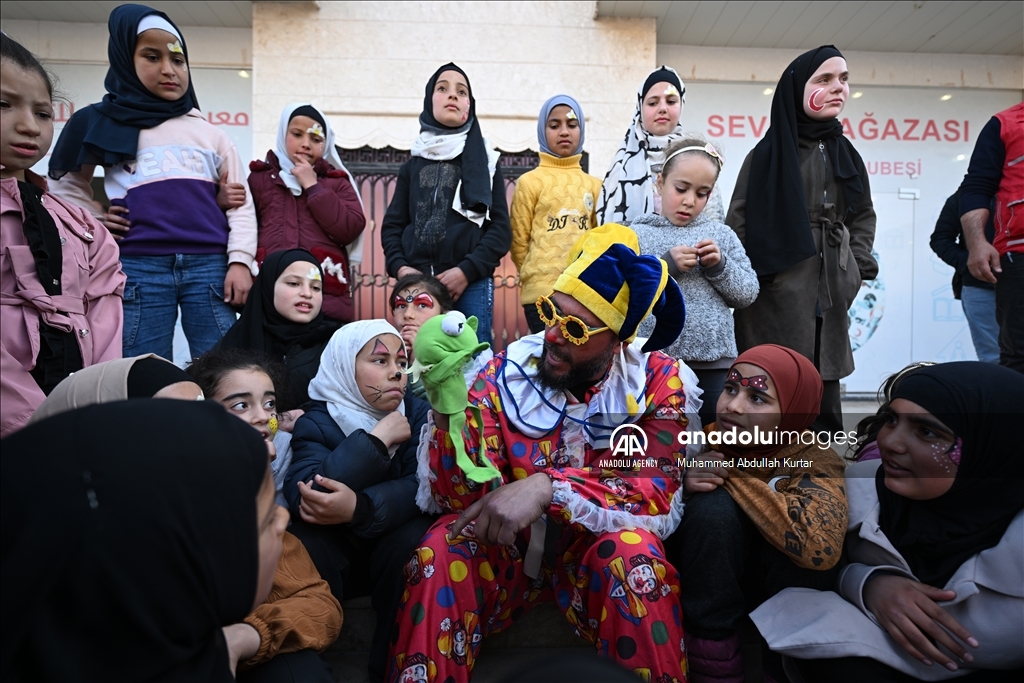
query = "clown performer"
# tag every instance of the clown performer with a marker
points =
(573, 515)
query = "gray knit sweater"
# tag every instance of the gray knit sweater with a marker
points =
(709, 293)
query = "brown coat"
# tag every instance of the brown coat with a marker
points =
(300, 613)
(784, 312)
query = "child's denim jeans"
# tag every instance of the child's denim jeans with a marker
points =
(478, 300)
(157, 286)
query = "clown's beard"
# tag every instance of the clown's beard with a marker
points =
(579, 375)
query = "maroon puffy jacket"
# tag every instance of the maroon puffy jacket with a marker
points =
(323, 219)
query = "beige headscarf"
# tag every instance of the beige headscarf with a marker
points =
(100, 383)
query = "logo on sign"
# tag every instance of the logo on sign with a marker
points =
(629, 441)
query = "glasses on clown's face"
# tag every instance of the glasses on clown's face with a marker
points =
(573, 329)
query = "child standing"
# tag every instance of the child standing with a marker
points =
(164, 164)
(752, 529)
(705, 258)
(60, 281)
(553, 205)
(448, 216)
(306, 198)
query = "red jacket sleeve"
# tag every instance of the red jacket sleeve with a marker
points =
(336, 209)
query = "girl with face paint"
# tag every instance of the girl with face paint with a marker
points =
(802, 208)
(932, 588)
(306, 198)
(352, 481)
(165, 165)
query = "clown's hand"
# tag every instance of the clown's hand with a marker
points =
(501, 514)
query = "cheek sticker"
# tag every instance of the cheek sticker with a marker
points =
(812, 101)
(571, 115)
(314, 274)
(316, 129)
(175, 47)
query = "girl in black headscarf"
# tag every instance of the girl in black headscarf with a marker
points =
(283, 318)
(802, 208)
(449, 215)
(935, 584)
(154, 536)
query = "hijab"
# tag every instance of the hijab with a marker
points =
(545, 112)
(330, 151)
(628, 189)
(438, 142)
(261, 327)
(113, 380)
(981, 404)
(798, 387)
(335, 381)
(107, 133)
(147, 544)
(778, 227)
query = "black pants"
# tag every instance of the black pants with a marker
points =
(1010, 311)
(304, 666)
(862, 669)
(712, 382)
(533, 318)
(356, 567)
(727, 568)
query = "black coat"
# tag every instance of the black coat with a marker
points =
(320, 447)
(949, 245)
(422, 230)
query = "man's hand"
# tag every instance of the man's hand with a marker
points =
(504, 512)
(237, 284)
(982, 257)
(243, 642)
(685, 257)
(407, 270)
(704, 479)
(117, 222)
(304, 173)
(229, 195)
(393, 428)
(335, 506)
(908, 611)
(455, 281)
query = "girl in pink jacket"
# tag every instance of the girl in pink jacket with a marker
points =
(60, 280)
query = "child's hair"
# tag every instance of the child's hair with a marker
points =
(209, 370)
(431, 284)
(17, 53)
(868, 428)
(693, 143)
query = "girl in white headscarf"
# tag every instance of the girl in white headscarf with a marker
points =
(305, 197)
(352, 481)
(628, 189)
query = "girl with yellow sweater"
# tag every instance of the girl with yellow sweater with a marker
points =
(553, 205)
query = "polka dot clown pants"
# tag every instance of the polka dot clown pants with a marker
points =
(616, 589)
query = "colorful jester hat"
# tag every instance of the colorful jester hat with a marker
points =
(443, 346)
(607, 274)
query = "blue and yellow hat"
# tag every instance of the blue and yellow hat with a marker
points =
(607, 274)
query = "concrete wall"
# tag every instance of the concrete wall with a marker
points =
(373, 61)
(72, 43)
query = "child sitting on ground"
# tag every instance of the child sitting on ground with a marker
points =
(933, 588)
(553, 205)
(164, 166)
(449, 216)
(415, 299)
(59, 265)
(352, 482)
(761, 515)
(705, 258)
(305, 198)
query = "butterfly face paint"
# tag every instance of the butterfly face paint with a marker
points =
(315, 129)
(759, 382)
(314, 274)
(175, 47)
